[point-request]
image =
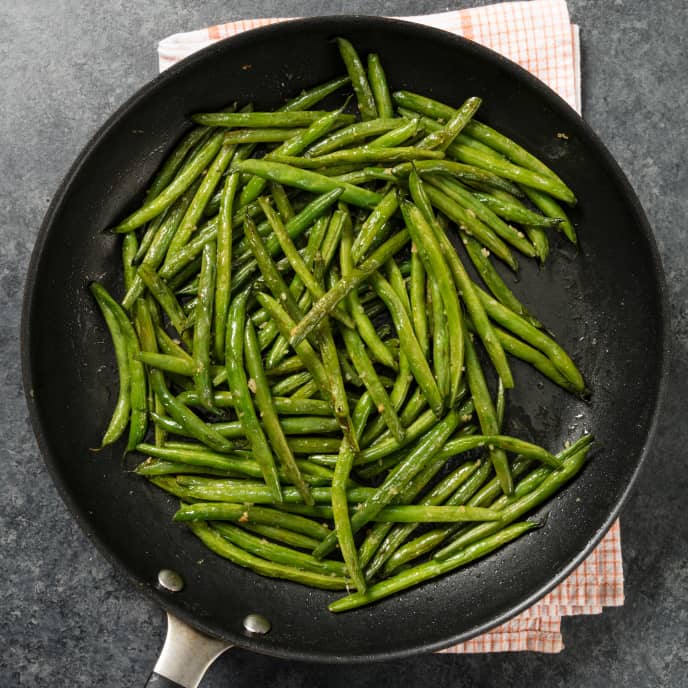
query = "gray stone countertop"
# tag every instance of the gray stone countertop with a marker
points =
(66, 617)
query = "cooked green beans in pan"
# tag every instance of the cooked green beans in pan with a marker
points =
(303, 358)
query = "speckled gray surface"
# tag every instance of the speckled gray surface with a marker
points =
(66, 618)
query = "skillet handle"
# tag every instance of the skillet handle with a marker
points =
(185, 657)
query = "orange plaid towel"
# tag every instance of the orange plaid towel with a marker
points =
(539, 36)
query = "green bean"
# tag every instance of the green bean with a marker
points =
(284, 405)
(487, 415)
(307, 180)
(288, 366)
(432, 569)
(440, 340)
(373, 225)
(409, 344)
(223, 278)
(158, 467)
(309, 98)
(218, 544)
(175, 188)
(363, 155)
(164, 296)
(248, 492)
(122, 411)
(129, 247)
(398, 283)
(500, 403)
(536, 338)
(354, 133)
(149, 234)
(332, 237)
(169, 363)
(378, 85)
(361, 413)
(291, 383)
(279, 534)
(284, 207)
(516, 212)
(269, 415)
(552, 209)
(436, 514)
(365, 175)
(480, 258)
(263, 120)
(395, 137)
(267, 135)
(465, 198)
(431, 253)
(202, 326)
(234, 464)
(551, 484)
(340, 514)
(417, 290)
(359, 80)
(418, 458)
(458, 120)
(307, 390)
(337, 390)
(324, 306)
(238, 384)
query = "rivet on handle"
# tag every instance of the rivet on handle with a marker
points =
(256, 624)
(170, 580)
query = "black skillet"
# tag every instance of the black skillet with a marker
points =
(605, 303)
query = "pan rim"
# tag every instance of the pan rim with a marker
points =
(336, 22)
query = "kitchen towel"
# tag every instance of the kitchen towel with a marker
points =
(539, 36)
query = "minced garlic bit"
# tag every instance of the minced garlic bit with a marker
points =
(244, 517)
(381, 408)
(485, 252)
(252, 385)
(562, 135)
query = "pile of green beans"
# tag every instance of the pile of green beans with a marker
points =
(313, 339)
